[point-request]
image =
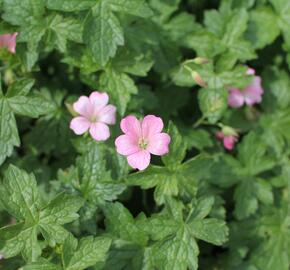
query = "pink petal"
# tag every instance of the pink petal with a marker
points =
(127, 145)
(139, 160)
(253, 93)
(236, 98)
(151, 125)
(79, 125)
(229, 142)
(83, 107)
(158, 144)
(131, 125)
(98, 100)
(99, 131)
(257, 83)
(8, 41)
(107, 115)
(250, 71)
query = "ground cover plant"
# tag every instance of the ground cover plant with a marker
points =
(144, 134)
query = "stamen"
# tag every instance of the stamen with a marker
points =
(143, 143)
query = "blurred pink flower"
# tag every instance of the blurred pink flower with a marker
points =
(250, 95)
(229, 140)
(94, 115)
(8, 41)
(141, 139)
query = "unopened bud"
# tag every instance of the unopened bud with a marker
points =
(196, 76)
(229, 131)
(200, 60)
(9, 77)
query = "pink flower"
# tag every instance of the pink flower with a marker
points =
(250, 95)
(229, 136)
(8, 41)
(94, 115)
(141, 139)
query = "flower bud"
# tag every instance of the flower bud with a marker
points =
(197, 78)
(200, 60)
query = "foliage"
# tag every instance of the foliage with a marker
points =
(68, 202)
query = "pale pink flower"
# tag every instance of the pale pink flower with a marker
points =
(250, 95)
(141, 139)
(228, 136)
(8, 41)
(94, 116)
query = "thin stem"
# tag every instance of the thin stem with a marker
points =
(199, 122)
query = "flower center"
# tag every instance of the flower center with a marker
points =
(94, 119)
(142, 143)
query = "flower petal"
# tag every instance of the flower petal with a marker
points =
(250, 71)
(99, 131)
(236, 98)
(79, 125)
(253, 93)
(131, 125)
(229, 142)
(151, 125)
(107, 115)
(98, 100)
(83, 107)
(139, 160)
(126, 145)
(158, 144)
(8, 41)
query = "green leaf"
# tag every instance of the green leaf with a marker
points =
(63, 29)
(279, 85)
(260, 19)
(61, 210)
(22, 200)
(235, 27)
(41, 264)
(89, 251)
(177, 147)
(19, 194)
(174, 244)
(176, 253)
(246, 198)
(202, 207)
(70, 5)
(96, 183)
(198, 138)
(32, 106)
(135, 7)
(164, 180)
(282, 7)
(20, 12)
(20, 238)
(102, 33)
(213, 103)
(254, 159)
(8, 131)
(120, 87)
(20, 88)
(272, 249)
(210, 230)
(124, 254)
(169, 182)
(121, 223)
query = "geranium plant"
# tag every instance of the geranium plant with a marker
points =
(144, 134)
